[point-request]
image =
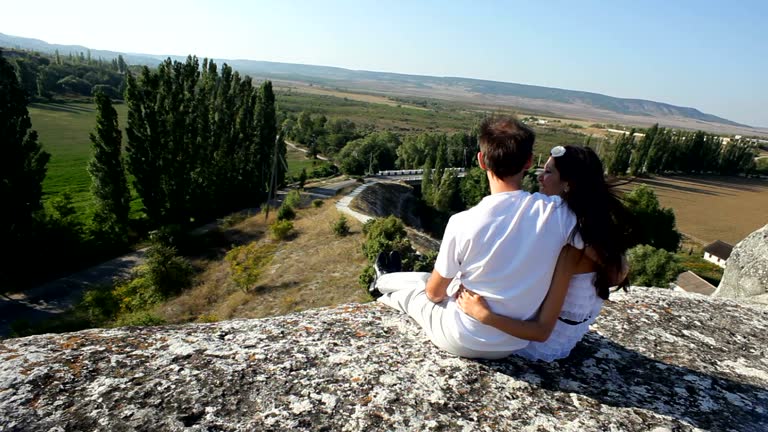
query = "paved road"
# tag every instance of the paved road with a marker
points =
(58, 296)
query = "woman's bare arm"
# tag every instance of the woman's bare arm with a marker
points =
(539, 328)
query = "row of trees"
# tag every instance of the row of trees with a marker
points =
(44, 76)
(200, 142)
(663, 150)
(437, 149)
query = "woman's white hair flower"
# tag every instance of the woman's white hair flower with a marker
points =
(557, 151)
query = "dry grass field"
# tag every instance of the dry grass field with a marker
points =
(313, 269)
(711, 208)
(360, 97)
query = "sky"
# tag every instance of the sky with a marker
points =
(710, 55)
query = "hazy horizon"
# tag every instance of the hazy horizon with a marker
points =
(694, 54)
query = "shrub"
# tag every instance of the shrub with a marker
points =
(293, 199)
(385, 234)
(285, 213)
(388, 234)
(167, 272)
(136, 294)
(100, 304)
(323, 170)
(139, 318)
(246, 263)
(425, 263)
(281, 229)
(367, 276)
(652, 267)
(317, 203)
(341, 226)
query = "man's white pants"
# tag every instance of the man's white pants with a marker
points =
(405, 291)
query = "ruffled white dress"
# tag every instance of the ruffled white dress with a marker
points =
(582, 306)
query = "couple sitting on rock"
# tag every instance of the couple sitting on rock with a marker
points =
(513, 275)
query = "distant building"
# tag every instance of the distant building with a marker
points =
(718, 252)
(691, 282)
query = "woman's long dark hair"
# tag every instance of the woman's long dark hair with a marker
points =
(602, 219)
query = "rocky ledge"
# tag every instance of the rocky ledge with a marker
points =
(656, 360)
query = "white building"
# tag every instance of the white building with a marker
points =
(718, 252)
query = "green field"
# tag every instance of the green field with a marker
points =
(63, 130)
(297, 161)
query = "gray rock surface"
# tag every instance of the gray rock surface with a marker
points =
(656, 360)
(746, 272)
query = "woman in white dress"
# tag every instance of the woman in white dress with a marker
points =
(580, 284)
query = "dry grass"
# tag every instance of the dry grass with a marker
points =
(710, 208)
(313, 269)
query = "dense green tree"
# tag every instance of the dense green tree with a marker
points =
(109, 185)
(427, 181)
(651, 267)
(26, 71)
(23, 165)
(658, 154)
(371, 154)
(642, 149)
(122, 66)
(75, 85)
(22, 169)
(654, 225)
(446, 197)
(622, 153)
(737, 157)
(474, 186)
(144, 148)
(273, 153)
(200, 142)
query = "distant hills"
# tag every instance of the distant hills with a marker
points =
(542, 99)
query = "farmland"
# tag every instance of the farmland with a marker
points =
(711, 208)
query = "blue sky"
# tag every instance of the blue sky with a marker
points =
(706, 54)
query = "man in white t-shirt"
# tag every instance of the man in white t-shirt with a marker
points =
(505, 249)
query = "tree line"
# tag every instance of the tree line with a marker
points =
(200, 143)
(45, 77)
(662, 150)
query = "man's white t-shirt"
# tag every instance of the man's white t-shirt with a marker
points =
(505, 249)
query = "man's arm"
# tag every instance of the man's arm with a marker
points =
(437, 287)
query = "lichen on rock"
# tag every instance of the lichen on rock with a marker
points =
(656, 360)
(746, 271)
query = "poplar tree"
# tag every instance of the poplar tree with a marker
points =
(109, 185)
(622, 154)
(267, 125)
(22, 167)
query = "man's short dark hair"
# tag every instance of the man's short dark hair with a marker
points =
(507, 144)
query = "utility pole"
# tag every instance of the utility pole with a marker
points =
(272, 178)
